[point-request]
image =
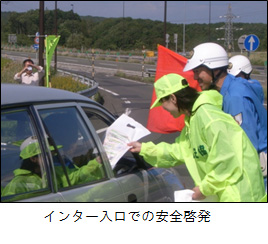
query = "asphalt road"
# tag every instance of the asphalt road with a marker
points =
(132, 67)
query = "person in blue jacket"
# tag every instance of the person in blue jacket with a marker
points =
(209, 63)
(240, 66)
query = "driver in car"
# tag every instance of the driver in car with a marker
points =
(29, 176)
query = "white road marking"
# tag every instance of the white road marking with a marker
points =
(115, 94)
(125, 100)
(114, 65)
(72, 60)
(134, 81)
(127, 111)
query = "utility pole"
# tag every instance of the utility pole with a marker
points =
(183, 35)
(41, 37)
(209, 21)
(56, 33)
(228, 37)
(123, 41)
(72, 24)
(165, 22)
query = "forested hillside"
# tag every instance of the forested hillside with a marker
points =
(118, 33)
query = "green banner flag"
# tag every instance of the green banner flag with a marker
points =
(51, 43)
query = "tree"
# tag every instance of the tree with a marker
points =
(117, 33)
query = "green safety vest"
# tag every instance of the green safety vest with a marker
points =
(218, 154)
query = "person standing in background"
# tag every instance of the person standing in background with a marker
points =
(240, 66)
(26, 75)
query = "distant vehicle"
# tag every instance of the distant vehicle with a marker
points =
(59, 134)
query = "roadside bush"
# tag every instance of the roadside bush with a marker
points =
(5, 62)
(8, 69)
(67, 83)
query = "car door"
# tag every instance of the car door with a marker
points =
(80, 168)
(24, 174)
(139, 181)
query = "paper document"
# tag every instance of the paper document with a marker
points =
(121, 132)
(186, 196)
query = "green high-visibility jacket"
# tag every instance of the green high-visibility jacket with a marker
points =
(218, 154)
(24, 181)
(90, 172)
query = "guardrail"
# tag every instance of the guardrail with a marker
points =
(150, 72)
(93, 85)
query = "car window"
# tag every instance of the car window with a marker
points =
(128, 163)
(22, 166)
(99, 122)
(77, 158)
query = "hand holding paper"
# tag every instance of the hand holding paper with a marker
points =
(119, 134)
(135, 146)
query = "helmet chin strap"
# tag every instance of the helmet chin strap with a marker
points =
(247, 76)
(215, 78)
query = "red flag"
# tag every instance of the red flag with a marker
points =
(160, 120)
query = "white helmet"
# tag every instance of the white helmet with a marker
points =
(239, 63)
(209, 54)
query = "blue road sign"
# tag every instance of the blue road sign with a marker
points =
(35, 46)
(251, 43)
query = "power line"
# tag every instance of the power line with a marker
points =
(228, 37)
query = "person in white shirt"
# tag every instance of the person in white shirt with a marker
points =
(26, 75)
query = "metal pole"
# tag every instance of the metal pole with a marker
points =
(123, 41)
(56, 32)
(143, 61)
(209, 21)
(41, 37)
(183, 41)
(93, 66)
(72, 24)
(165, 22)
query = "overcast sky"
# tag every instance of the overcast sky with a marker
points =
(177, 11)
